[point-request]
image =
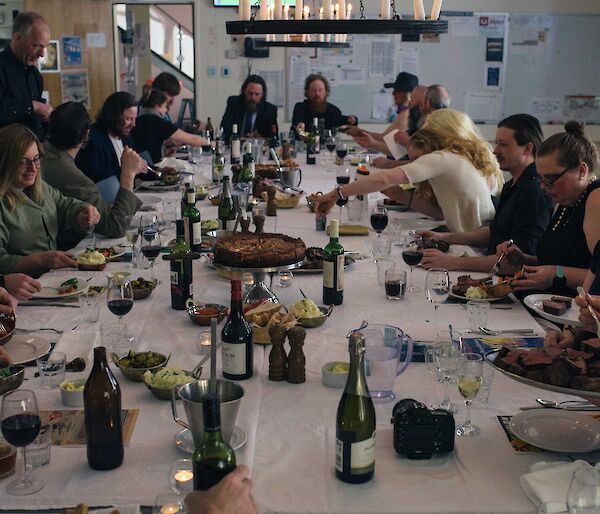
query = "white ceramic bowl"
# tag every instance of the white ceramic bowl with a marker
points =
(72, 398)
(331, 379)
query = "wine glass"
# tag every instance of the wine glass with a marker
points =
(20, 423)
(218, 165)
(412, 256)
(470, 375)
(584, 491)
(379, 219)
(342, 177)
(119, 298)
(329, 144)
(443, 360)
(341, 150)
(437, 289)
(151, 245)
(132, 232)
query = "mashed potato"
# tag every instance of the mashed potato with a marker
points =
(167, 378)
(306, 309)
(476, 292)
(91, 257)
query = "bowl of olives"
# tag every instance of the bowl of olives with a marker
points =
(142, 288)
(133, 365)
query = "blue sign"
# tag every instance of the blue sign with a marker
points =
(72, 51)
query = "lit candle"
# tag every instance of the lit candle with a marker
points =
(169, 508)
(385, 10)
(183, 476)
(349, 11)
(419, 10)
(342, 9)
(435, 10)
(298, 10)
(264, 10)
(277, 10)
(327, 9)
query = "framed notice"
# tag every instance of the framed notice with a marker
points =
(74, 86)
(50, 62)
(72, 52)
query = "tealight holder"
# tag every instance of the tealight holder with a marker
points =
(168, 503)
(204, 337)
(285, 278)
(181, 476)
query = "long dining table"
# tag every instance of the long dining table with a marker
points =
(290, 428)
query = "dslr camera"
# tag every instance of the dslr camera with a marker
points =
(420, 432)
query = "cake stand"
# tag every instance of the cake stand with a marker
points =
(259, 290)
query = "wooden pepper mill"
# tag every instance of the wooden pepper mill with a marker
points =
(245, 224)
(271, 202)
(277, 356)
(259, 223)
(296, 361)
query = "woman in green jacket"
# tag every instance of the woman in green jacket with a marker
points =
(32, 212)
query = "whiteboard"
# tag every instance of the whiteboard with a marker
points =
(548, 67)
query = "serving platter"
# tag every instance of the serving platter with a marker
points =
(491, 357)
(23, 348)
(535, 302)
(557, 430)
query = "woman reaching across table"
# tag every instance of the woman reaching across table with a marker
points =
(32, 212)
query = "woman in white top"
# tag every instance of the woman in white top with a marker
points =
(461, 172)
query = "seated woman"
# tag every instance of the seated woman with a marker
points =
(68, 133)
(565, 163)
(459, 174)
(31, 211)
(152, 130)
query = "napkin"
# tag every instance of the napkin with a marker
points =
(78, 343)
(398, 151)
(548, 483)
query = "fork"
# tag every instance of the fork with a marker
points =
(583, 295)
(496, 267)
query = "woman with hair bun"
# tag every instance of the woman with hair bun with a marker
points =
(565, 163)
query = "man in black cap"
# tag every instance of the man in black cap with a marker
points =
(402, 88)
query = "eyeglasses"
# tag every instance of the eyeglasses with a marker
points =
(27, 163)
(549, 182)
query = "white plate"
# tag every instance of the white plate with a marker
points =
(119, 249)
(157, 185)
(571, 317)
(24, 348)
(415, 224)
(557, 430)
(55, 281)
(183, 440)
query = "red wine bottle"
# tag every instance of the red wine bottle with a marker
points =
(333, 268)
(102, 410)
(213, 458)
(181, 271)
(236, 337)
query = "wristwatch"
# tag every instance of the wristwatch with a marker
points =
(559, 280)
(338, 188)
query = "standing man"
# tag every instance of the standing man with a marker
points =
(21, 83)
(100, 159)
(524, 210)
(250, 111)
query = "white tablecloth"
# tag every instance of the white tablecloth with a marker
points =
(291, 428)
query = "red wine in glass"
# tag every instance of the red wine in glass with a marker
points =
(21, 429)
(379, 221)
(330, 147)
(341, 153)
(151, 252)
(341, 180)
(120, 307)
(412, 257)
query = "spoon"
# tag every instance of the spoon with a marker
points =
(489, 332)
(564, 404)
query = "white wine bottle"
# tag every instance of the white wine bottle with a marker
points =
(355, 421)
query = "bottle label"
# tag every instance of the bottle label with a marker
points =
(328, 274)
(174, 277)
(362, 455)
(340, 273)
(233, 358)
(190, 197)
(197, 233)
(235, 149)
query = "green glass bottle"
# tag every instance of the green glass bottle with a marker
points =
(226, 208)
(236, 148)
(333, 268)
(181, 271)
(192, 221)
(355, 421)
(213, 458)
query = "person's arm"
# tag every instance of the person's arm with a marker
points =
(436, 259)
(298, 116)
(368, 140)
(400, 123)
(21, 286)
(478, 238)
(96, 158)
(414, 201)
(181, 137)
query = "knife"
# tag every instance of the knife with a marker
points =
(590, 408)
(31, 303)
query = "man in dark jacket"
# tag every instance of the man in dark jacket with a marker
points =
(250, 111)
(21, 83)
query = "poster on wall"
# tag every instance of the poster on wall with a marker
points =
(72, 52)
(74, 87)
(50, 62)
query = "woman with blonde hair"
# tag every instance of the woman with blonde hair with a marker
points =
(31, 212)
(456, 169)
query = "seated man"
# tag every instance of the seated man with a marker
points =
(250, 111)
(524, 210)
(68, 133)
(100, 159)
(316, 91)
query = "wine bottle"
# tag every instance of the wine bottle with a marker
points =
(248, 166)
(316, 134)
(210, 129)
(226, 208)
(187, 184)
(191, 220)
(311, 154)
(236, 339)
(355, 421)
(235, 145)
(274, 141)
(102, 411)
(218, 161)
(213, 458)
(362, 171)
(181, 271)
(333, 268)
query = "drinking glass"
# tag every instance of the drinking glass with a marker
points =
(437, 289)
(379, 219)
(119, 299)
(133, 225)
(151, 245)
(342, 177)
(20, 424)
(395, 284)
(148, 222)
(219, 166)
(470, 372)
(584, 492)
(168, 503)
(181, 476)
(341, 149)
(330, 145)
(443, 359)
(412, 256)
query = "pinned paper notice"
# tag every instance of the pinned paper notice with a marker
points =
(381, 106)
(95, 40)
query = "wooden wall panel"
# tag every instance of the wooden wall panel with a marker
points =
(77, 18)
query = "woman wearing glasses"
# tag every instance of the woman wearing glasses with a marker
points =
(32, 212)
(565, 163)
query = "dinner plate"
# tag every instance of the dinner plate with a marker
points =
(119, 250)
(183, 440)
(393, 207)
(571, 317)
(51, 283)
(491, 357)
(557, 430)
(157, 185)
(460, 297)
(415, 224)
(24, 348)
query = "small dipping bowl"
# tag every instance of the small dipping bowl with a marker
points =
(331, 379)
(202, 314)
(71, 397)
(8, 458)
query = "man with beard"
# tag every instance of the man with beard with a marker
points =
(68, 133)
(100, 160)
(21, 83)
(316, 91)
(250, 111)
(524, 210)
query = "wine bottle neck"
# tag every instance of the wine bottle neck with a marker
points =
(357, 382)
(236, 297)
(100, 358)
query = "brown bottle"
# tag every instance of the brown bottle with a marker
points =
(102, 408)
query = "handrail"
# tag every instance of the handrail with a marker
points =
(172, 19)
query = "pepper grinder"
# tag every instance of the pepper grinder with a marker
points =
(296, 361)
(277, 356)
(271, 203)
